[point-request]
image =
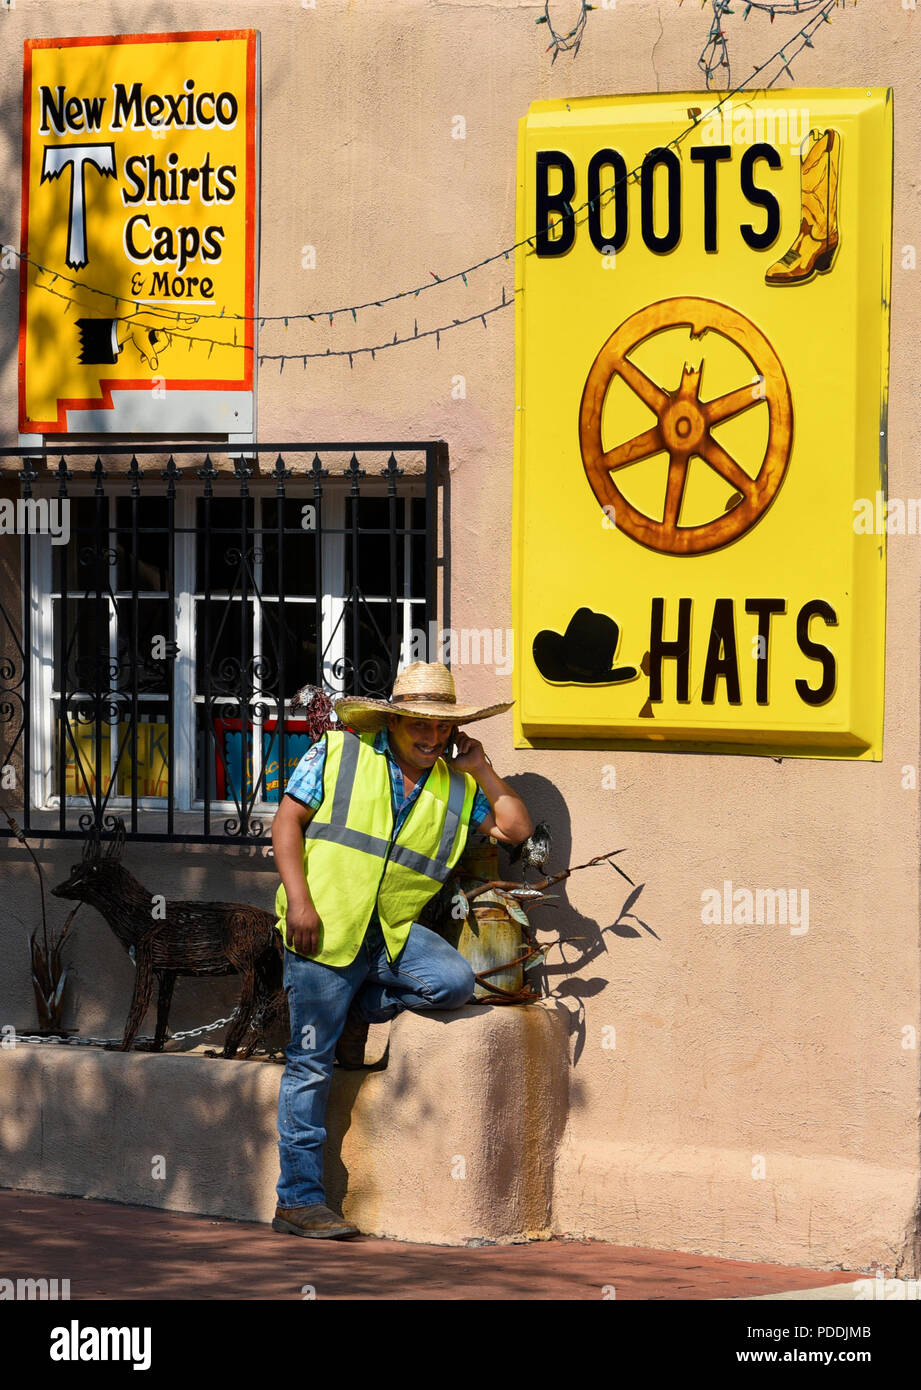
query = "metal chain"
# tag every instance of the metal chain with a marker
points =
(143, 1037)
(205, 1027)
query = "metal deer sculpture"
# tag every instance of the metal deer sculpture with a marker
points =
(193, 939)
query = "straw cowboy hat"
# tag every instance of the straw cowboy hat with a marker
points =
(425, 690)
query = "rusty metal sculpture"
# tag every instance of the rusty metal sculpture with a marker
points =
(270, 1027)
(488, 901)
(192, 939)
(492, 933)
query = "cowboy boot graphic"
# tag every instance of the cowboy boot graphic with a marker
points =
(813, 251)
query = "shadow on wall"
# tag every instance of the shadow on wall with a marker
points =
(136, 1128)
(580, 940)
(91, 1111)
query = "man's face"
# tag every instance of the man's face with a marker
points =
(419, 742)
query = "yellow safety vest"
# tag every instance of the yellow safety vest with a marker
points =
(353, 863)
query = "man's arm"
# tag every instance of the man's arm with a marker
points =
(303, 923)
(510, 822)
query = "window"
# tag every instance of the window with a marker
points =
(171, 633)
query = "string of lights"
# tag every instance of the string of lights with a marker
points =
(784, 56)
(564, 43)
(715, 54)
(822, 6)
(183, 316)
(283, 357)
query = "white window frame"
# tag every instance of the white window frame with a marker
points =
(43, 724)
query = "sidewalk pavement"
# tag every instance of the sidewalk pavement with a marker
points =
(108, 1251)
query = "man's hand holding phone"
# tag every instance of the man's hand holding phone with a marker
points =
(468, 754)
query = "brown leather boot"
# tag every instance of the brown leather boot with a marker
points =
(318, 1222)
(813, 252)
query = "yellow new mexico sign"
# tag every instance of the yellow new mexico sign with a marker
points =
(139, 192)
(702, 353)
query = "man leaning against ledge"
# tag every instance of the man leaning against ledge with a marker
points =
(370, 825)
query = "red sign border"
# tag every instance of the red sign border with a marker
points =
(59, 426)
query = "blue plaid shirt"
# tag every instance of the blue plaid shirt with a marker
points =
(306, 783)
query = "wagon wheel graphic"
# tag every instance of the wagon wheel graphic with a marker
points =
(684, 425)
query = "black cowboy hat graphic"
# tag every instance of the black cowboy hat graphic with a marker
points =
(583, 654)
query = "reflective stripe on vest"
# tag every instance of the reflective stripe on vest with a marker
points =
(352, 861)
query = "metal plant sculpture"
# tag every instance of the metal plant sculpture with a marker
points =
(49, 974)
(495, 897)
(192, 939)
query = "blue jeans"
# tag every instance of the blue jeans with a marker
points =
(427, 974)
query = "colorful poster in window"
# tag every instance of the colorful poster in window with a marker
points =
(151, 763)
(139, 223)
(702, 362)
(232, 781)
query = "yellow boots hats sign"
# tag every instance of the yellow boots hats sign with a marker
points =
(702, 354)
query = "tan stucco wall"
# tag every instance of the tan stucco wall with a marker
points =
(732, 1042)
(479, 1092)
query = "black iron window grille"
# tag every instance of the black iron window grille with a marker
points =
(176, 603)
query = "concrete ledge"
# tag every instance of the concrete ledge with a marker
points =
(453, 1142)
(819, 1212)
